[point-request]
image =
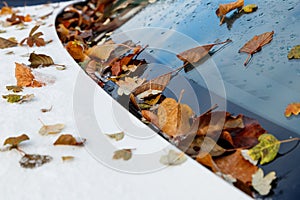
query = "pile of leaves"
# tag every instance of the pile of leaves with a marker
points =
(232, 146)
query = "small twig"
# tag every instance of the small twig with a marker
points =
(210, 110)
(20, 151)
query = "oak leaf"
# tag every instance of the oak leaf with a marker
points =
(226, 8)
(261, 183)
(292, 109)
(173, 158)
(37, 60)
(15, 141)
(34, 38)
(25, 78)
(194, 55)
(6, 43)
(294, 52)
(67, 139)
(34, 160)
(255, 44)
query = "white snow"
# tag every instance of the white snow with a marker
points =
(87, 111)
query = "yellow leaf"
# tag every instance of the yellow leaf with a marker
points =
(293, 108)
(249, 8)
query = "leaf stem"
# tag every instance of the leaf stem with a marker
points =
(289, 140)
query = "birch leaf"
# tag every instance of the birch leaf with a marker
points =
(116, 136)
(261, 183)
(51, 129)
(34, 160)
(173, 158)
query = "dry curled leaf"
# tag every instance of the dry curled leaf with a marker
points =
(124, 154)
(44, 110)
(116, 136)
(255, 44)
(37, 60)
(173, 158)
(34, 160)
(14, 88)
(51, 129)
(76, 50)
(292, 109)
(15, 141)
(6, 43)
(68, 139)
(15, 98)
(261, 183)
(294, 52)
(67, 158)
(194, 55)
(266, 150)
(226, 8)
(34, 38)
(25, 78)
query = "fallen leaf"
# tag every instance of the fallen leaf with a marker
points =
(14, 88)
(5, 43)
(124, 154)
(226, 8)
(194, 55)
(235, 165)
(2, 31)
(255, 44)
(116, 136)
(150, 117)
(292, 109)
(51, 129)
(34, 38)
(10, 53)
(76, 50)
(249, 8)
(6, 10)
(15, 98)
(67, 158)
(25, 78)
(37, 60)
(173, 158)
(34, 160)
(261, 183)
(68, 139)
(294, 52)
(15, 141)
(127, 85)
(46, 109)
(266, 150)
(101, 52)
(206, 159)
(173, 117)
(61, 68)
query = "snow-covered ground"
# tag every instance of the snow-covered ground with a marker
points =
(87, 111)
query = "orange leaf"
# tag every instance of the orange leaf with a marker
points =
(256, 43)
(25, 78)
(206, 159)
(75, 49)
(292, 108)
(226, 8)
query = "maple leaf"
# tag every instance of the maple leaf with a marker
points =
(37, 60)
(34, 38)
(194, 55)
(25, 78)
(34, 160)
(235, 165)
(226, 8)
(15, 141)
(116, 136)
(294, 52)
(255, 44)
(127, 85)
(68, 139)
(173, 158)
(293, 108)
(124, 154)
(7, 43)
(261, 183)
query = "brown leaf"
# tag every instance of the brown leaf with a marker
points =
(205, 159)
(34, 38)
(256, 43)
(292, 109)
(76, 50)
(15, 141)
(5, 43)
(235, 165)
(151, 117)
(226, 8)
(34, 160)
(44, 110)
(25, 78)
(68, 139)
(37, 60)
(194, 55)
(67, 158)
(14, 88)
